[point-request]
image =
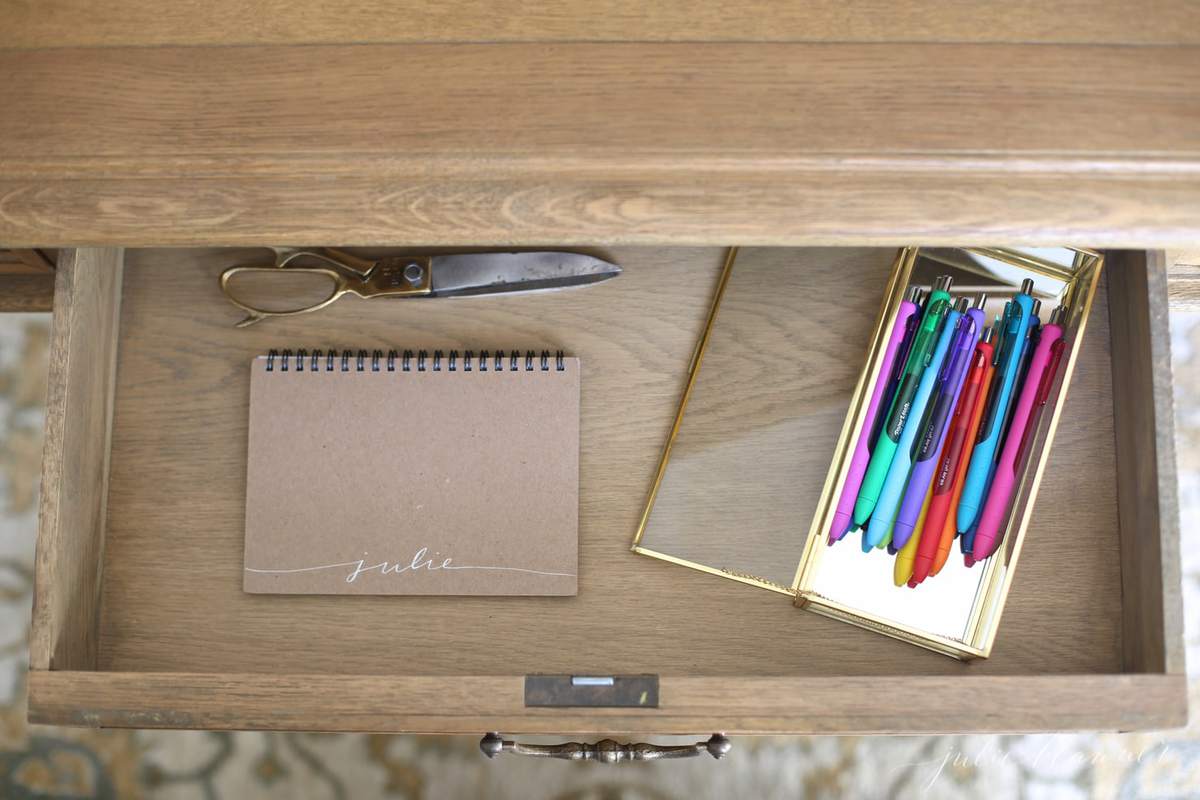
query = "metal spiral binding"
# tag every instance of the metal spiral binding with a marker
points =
(420, 361)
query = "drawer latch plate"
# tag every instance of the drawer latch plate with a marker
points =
(594, 691)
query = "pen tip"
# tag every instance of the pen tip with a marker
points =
(981, 300)
(1027, 286)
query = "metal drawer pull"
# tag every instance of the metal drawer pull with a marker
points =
(606, 751)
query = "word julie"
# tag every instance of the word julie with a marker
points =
(420, 562)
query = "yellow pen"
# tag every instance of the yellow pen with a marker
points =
(903, 568)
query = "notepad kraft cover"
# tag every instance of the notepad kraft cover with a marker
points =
(427, 482)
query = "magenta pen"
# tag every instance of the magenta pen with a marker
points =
(1034, 394)
(902, 333)
(937, 419)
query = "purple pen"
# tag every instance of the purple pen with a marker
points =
(902, 331)
(936, 422)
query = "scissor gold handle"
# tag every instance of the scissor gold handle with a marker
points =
(257, 314)
(389, 277)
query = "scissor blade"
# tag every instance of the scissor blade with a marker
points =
(498, 273)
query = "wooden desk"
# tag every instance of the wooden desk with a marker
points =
(677, 128)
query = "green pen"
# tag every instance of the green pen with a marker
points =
(936, 307)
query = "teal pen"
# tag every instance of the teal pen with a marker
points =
(884, 516)
(967, 542)
(936, 306)
(1027, 347)
(1008, 364)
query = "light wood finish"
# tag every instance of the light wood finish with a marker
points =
(29, 291)
(175, 625)
(1183, 285)
(75, 460)
(602, 143)
(1143, 414)
(472, 704)
(177, 495)
(141, 23)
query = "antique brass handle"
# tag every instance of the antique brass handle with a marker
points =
(606, 751)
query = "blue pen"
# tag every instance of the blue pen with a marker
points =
(1032, 335)
(967, 542)
(979, 473)
(884, 516)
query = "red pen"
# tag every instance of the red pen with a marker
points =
(955, 454)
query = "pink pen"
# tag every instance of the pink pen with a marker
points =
(901, 336)
(1034, 394)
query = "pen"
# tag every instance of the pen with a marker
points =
(933, 428)
(1026, 351)
(956, 454)
(1027, 348)
(889, 391)
(1034, 394)
(902, 569)
(987, 441)
(891, 493)
(936, 307)
(902, 329)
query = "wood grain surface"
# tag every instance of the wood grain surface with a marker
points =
(75, 461)
(1146, 485)
(141, 23)
(472, 704)
(26, 292)
(172, 599)
(1183, 280)
(603, 143)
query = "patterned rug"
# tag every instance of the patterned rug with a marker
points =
(46, 762)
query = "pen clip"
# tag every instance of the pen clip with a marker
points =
(1001, 329)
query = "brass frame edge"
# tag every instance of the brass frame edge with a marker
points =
(994, 584)
(901, 271)
(740, 577)
(1091, 267)
(693, 371)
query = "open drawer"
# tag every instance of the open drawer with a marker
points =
(140, 619)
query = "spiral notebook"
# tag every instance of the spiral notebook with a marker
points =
(412, 474)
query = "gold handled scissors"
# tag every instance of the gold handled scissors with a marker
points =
(459, 275)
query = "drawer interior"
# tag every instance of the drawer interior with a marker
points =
(172, 596)
(169, 592)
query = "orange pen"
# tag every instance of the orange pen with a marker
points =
(953, 463)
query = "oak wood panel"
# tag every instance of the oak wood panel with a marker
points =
(75, 460)
(1183, 287)
(141, 23)
(605, 143)
(172, 598)
(473, 704)
(26, 292)
(1146, 486)
(36, 262)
